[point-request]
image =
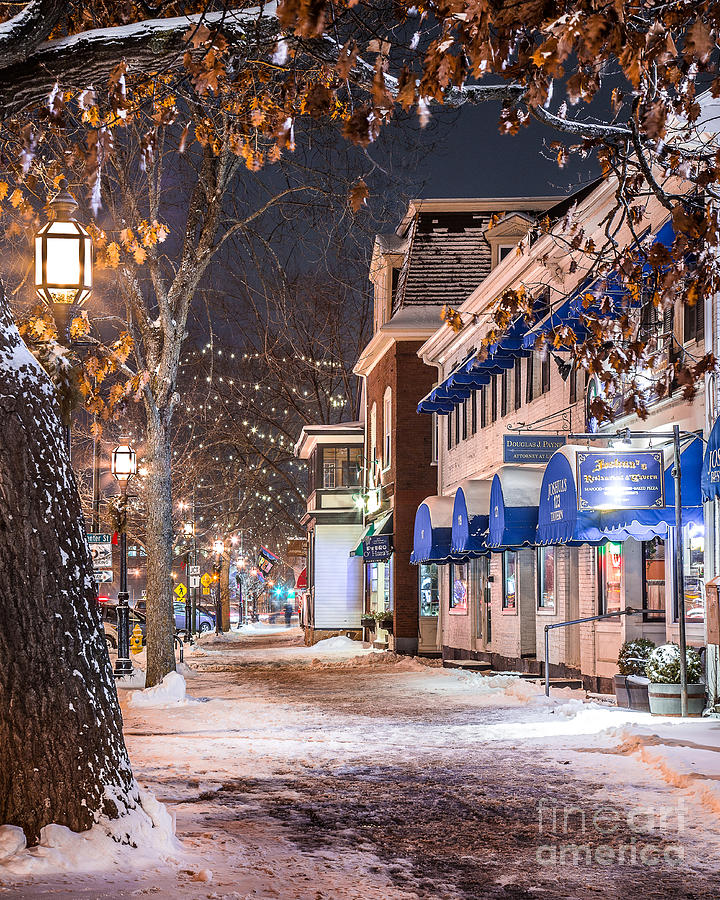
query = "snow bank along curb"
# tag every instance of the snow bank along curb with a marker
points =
(169, 693)
(142, 838)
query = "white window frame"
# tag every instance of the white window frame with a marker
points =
(387, 428)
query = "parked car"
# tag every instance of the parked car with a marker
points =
(205, 620)
(108, 614)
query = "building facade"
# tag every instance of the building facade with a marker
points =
(439, 253)
(334, 596)
(501, 539)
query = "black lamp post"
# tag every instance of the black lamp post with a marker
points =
(124, 466)
(218, 547)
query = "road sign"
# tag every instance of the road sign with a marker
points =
(193, 570)
(181, 590)
(194, 581)
(206, 580)
(101, 551)
(206, 591)
(102, 576)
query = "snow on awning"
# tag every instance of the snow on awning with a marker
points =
(433, 531)
(514, 499)
(471, 518)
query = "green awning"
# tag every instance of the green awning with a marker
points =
(358, 551)
(382, 525)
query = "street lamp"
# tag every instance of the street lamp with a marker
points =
(124, 466)
(63, 261)
(218, 548)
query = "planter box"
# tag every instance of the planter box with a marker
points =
(387, 624)
(367, 622)
(631, 692)
(665, 699)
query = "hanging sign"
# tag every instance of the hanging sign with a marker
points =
(101, 550)
(620, 479)
(266, 560)
(531, 448)
(377, 548)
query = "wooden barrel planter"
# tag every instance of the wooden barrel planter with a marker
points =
(665, 699)
(631, 692)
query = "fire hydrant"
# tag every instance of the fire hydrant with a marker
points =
(136, 640)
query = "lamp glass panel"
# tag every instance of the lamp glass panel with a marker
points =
(88, 263)
(38, 260)
(63, 261)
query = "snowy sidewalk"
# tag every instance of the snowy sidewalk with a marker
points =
(337, 772)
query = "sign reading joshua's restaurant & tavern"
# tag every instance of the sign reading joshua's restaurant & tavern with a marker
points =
(620, 480)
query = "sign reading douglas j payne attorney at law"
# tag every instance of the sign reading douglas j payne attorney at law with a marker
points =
(620, 480)
(531, 448)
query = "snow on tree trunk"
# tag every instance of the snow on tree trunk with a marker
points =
(63, 756)
(159, 544)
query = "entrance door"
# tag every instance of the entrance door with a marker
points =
(572, 607)
(429, 599)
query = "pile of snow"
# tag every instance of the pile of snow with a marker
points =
(338, 644)
(210, 638)
(142, 838)
(169, 693)
(261, 628)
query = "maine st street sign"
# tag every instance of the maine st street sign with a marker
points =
(101, 553)
(531, 448)
(620, 479)
(377, 548)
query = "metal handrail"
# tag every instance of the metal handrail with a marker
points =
(628, 611)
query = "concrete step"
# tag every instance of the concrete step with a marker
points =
(467, 665)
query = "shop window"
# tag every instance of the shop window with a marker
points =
(465, 410)
(483, 407)
(573, 384)
(435, 438)
(478, 590)
(517, 378)
(458, 413)
(694, 572)
(429, 581)
(458, 587)
(449, 420)
(504, 391)
(654, 579)
(510, 572)
(610, 561)
(473, 412)
(546, 579)
(493, 398)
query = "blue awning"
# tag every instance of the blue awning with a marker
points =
(471, 518)
(710, 479)
(433, 528)
(560, 521)
(514, 498)
(589, 298)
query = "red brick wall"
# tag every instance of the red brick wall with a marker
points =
(410, 477)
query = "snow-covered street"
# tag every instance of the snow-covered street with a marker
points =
(338, 772)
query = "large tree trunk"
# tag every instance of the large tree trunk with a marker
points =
(159, 544)
(62, 753)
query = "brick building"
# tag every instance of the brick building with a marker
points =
(439, 253)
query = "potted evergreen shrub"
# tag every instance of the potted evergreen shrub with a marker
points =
(631, 685)
(663, 670)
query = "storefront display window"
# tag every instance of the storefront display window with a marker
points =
(654, 579)
(611, 565)
(458, 587)
(429, 590)
(694, 572)
(509, 598)
(478, 590)
(546, 579)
